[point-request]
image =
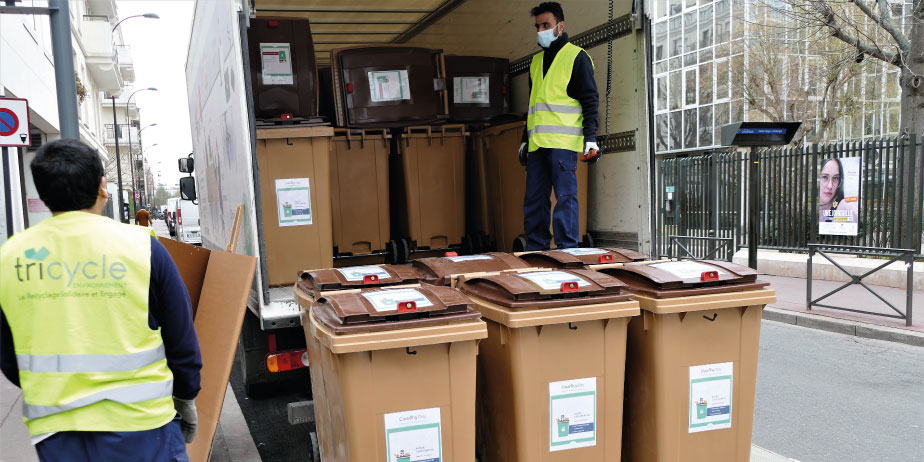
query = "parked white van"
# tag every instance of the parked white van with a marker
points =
(187, 222)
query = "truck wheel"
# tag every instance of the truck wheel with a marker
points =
(314, 450)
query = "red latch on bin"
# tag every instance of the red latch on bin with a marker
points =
(451, 254)
(349, 87)
(370, 278)
(709, 276)
(286, 117)
(569, 286)
(272, 23)
(607, 258)
(407, 307)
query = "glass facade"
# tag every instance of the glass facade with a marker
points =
(699, 50)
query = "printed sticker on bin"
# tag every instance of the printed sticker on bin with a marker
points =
(572, 414)
(414, 436)
(359, 273)
(553, 280)
(465, 258)
(711, 397)
(686, 269)
(387, 300)
(582, 251)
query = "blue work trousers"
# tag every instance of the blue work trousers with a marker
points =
(164, 444)
(548, 170)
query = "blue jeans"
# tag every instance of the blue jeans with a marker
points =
(164, 444)
(548, 170)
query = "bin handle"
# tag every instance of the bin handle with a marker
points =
(408, 350)
(572, 326)
(713, 318)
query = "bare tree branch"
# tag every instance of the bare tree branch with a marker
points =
(886, 22)
(838, 31)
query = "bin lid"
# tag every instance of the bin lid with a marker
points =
(438, 270)
(579, 256)
(356, 277)
(392, 308)
(545, 289)
(686, 278)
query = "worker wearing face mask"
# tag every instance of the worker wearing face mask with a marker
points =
(561, 127)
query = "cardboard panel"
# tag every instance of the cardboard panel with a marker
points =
(191, 261)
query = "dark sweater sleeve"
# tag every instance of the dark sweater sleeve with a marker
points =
(530, 79)
(171, 310)
(8, 363)
(583, 88)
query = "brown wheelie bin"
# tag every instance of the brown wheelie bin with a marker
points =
(442, 270)
(359, 190)
(580, 257)
(393, 373)
(551, 372)
(692, 360)
(318, 282)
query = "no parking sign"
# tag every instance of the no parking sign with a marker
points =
(14, 122)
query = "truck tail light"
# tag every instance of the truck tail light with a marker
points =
(286, 360)
(179, 217)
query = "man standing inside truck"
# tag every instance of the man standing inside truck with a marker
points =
(96, 325)
(560, 127)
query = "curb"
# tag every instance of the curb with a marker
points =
(839, 326)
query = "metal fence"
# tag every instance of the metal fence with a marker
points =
(701, 200)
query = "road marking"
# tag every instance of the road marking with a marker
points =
(759, 454)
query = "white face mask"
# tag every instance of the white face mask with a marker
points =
(546, 37)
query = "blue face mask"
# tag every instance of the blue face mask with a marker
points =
(546, 37)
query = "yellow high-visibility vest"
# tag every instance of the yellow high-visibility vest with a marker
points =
(74, 289)
(555, 120)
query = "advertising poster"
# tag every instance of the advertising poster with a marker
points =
(839, 196)
(277, 63)
(572, 414)
(293, 202)
(711, 397)
(471, 90)
(414, 436)
(389, 86)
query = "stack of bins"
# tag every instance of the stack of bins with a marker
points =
(692, 360)
(393, 373)
(295, 170)
(551, 372)
(443, 270)
(359, 191)
(432, 214)
(581, 257)
(283, 69)
(506, 185)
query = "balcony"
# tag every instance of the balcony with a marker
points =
(101, 57)
(102, 7)
(126, 64)
(124, 130)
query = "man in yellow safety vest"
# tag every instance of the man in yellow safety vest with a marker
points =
(560, 126)
(96, 325)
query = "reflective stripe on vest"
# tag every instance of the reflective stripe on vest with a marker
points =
(74, 289)
(554, 119)
(124, 395)
(90, 363)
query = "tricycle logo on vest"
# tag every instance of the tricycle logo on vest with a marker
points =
(35, 267)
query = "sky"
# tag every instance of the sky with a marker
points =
(159, 54)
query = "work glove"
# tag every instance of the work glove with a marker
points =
(523, 154)
(189, 420)
(591, 152)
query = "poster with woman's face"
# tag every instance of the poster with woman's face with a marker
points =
(839, 196)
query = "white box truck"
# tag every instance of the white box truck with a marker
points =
(221, 106)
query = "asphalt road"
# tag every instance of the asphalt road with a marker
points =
(820, 397)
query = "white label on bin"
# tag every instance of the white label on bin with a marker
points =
(572, 414)
(552, 280)
(277, 63)
(293, 202)
(467, 90)
(579, 251)
(388, 86)
(710, 397)
(686, 269)
(469, 258)
(387, 300)
(414, 436)
(357, 273)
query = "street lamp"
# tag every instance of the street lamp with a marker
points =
(146, 15)
(128, 117)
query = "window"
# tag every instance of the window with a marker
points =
(892, 85)
(721, 114)
(689, 79)
(660, 50)
(660, 68)
(721, 50)
(737, 76)
(676, 29)
(705, 83)
(705, 126)
(705, 55)
(676, 7)
(721, 80)
(895, 112)
(737, 111)
(661, 133)
(676, 129)
(691, 3)
(705, 26)
(689, 128)
(662, 9)
(676, 90)
(662, 93)
(689, 32)
(738, 19)
(722, 21)
(689, 60)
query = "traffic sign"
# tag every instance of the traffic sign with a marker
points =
(14, 122)
(137, 195)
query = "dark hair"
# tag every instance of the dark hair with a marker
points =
(67, 173)
(839, 194)
(549, 7)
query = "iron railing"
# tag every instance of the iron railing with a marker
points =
(705, 196)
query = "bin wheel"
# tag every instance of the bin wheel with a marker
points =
(588, 241)
(314, 450)
(519, 244)
(391, 253)
(484, 242)
(468, 246)
(404, 251)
